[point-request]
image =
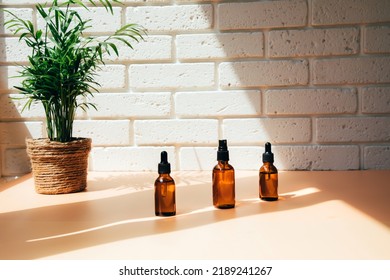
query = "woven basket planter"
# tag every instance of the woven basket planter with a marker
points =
(59, 168)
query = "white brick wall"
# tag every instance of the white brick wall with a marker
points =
(310, 76)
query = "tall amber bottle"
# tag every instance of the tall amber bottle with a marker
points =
(223, 179)
(268, 182)
(164, 189)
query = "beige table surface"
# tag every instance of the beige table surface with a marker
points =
(320, 215)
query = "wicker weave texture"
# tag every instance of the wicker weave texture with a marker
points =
(59, 168)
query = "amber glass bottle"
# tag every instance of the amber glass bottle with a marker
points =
(164, 189)
(223, 179)
(268, 183)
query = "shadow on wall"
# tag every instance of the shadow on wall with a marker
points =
(13, 129)
(228, 97)
(228, 76)
(2, 83)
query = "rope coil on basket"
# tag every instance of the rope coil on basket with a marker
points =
(59, 167)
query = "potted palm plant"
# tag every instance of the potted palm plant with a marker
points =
(60, 75)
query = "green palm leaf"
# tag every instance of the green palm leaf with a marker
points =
(63, 63)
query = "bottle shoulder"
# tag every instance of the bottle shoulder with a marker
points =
(165, 178)
(223, 165)
(268, 168)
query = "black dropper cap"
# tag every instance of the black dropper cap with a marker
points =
(223, 153)
(164, 167)
(268, 156)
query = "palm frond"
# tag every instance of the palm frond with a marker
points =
(63, 63)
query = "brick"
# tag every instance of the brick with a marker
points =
(16, 162)
(15, 133)
(172, 132)
(162, 1)
(352, 70)
(377, 39)
(310, 101)
(313, 42)
(12, 50)
(219, 46)
(101, 20)
(158, 47)
(172, 18)
(260, 130)
(22, 2)
(226, 103)
(111, 77)
(130, 158)
(317, 157)
(12, 108)
(205, 158)
(104, 132)
(377, 157)
(24, 13)
(332, 12)
(131, 105)
(172, 76)
(263, 73)
(246, 158)
(376, 100)
(263, 14)
(197, 158)
(353, 129)
(8, 78)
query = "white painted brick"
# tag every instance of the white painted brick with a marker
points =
(219, 46)
(172, 18)
(12, 108)
(158, 47)
(119, 105)
(130, 158)
(263, 73)
(8, 78)
(186, 42)
(260, 130)
(24, 13)
(172, 76)
(22, 2)
(310, 101)
(313, 42)
(376, 100)
(262, 14)
(163, 1)
(15, 133)
(352, 70)
(16, 162)
(377, 157)
(101, 20)
(111, 77)
(225, 103)
(316, 157)
(246, 158)
(197, 158)
(171, 132)
(353, 129)
(205, 158)
(104, 132)
(332, 12)
(377, 39)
